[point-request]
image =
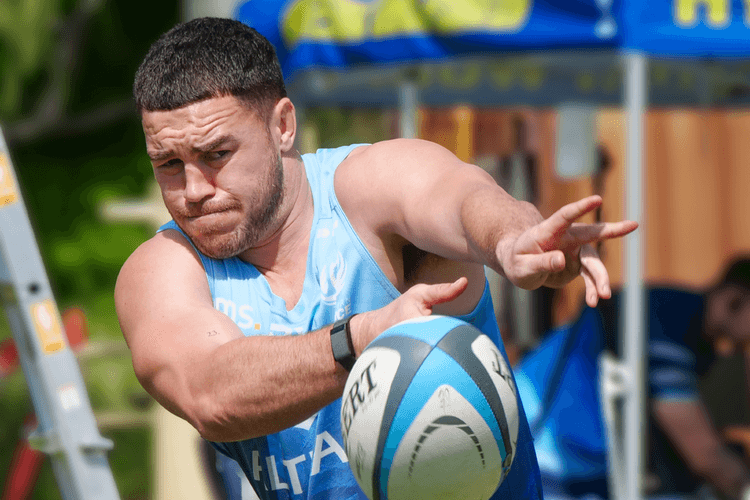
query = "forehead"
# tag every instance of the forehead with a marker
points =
(198, 122)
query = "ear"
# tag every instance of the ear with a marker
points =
(284, 124)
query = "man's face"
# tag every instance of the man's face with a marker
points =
(736, 307)
(728, 319)
(219, 171)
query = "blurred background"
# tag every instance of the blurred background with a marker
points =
(531, 90)
(68, 120)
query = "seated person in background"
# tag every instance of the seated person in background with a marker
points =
(687, 331)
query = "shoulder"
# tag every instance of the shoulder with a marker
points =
(394, 151)
(402, 173)
(386, 167)
(165, 267)
(403, 164)
(161, 253)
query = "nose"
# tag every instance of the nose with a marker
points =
(198, 184)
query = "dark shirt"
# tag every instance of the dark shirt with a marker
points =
(678, 355)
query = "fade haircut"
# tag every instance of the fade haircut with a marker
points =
(209, 57)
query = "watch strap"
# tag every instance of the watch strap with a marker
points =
(341, 343)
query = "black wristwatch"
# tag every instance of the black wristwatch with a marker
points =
(341, 343)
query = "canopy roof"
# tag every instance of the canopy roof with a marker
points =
(505, 52)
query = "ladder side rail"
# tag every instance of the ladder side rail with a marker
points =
(67, 429)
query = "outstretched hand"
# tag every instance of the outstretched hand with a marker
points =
(417, 301)
(555, 251)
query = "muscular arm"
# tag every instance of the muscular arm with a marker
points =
(197, 363)
(419, 191)
(690, 430)
(423, 193)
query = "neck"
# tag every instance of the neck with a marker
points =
(287, 246)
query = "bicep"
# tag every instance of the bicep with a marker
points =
(167, 317)
(419, 191)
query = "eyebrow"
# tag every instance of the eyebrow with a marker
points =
(205, 148)
(218, 142)
(160, 156)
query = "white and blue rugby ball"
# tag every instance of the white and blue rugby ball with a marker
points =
(429, 411)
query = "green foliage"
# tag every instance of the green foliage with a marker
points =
(131, 449)
(341, 126)
(64, 183)
(26, 39)
(65, 175)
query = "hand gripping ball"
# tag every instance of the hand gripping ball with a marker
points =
(430, 411)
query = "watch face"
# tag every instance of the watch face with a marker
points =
(341, 344)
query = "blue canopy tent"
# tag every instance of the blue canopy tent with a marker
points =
(535, 52)
(358, 52)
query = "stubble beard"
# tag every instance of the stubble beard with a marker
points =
(256, 226)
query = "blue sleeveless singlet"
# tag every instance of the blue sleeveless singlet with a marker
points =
(308, 461)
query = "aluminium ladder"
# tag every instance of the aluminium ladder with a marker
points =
(66, 430)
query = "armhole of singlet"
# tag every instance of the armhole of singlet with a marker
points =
(474, 314)
(354, 237)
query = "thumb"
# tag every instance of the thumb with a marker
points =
(443, 292)
(547, 262)
(532, 269)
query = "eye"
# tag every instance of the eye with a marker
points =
(735, 304)
(170, 167)
(216, 155)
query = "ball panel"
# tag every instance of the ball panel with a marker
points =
(436, 369)
(412, 353)
(499, 371)
(447, 436)
(362, 407)
(472, 350)
(429, 329)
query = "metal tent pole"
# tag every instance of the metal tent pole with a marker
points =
(408, 107)
(633, 322)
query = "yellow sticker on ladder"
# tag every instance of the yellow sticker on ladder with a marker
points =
(47, 326)
(8, 190)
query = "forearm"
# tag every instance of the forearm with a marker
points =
(253, 386)
(233, 387)
(691, 432)
(258, 385)
(492, 220)
(726, 471)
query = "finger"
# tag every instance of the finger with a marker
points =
(573, 211)
(555, 226)
(589, 233)
(592, 296)
(532, 270)
(592, 265)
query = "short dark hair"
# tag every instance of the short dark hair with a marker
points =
(738, 272)
(209, 57)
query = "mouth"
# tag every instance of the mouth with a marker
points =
(211, 222)
(206, 215)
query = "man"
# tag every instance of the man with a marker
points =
(688, 331)
(244, 313)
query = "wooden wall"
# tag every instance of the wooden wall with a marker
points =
(697, 179)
